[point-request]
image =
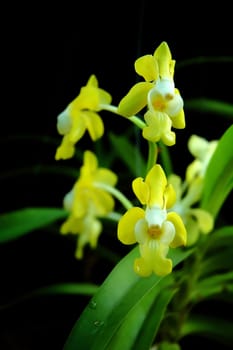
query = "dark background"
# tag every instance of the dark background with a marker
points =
(47, 54)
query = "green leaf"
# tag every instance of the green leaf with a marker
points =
(206, 105)
(203, 60)
(212, 285)
(148, 312)
(220, 260)
(169, 346)
(122, 290)
(219, 175)
(20, 222)
(67, 288)
(218, 255)
(154, 317)
(55, 289)
(129, 154)
(222, 237)
(209, 327)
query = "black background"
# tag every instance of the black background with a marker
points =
(47, 54)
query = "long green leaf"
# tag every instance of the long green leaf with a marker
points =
(154, 317)
(119, 293)
(221, 260)
(21, 222)
(219, 175)
(209, 327)
(55, 289)
(222, 237)
(212, 285)
(203, 60)
(206, 105)
(148, 312)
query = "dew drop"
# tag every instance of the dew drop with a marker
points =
(98, 323)
(92, 304)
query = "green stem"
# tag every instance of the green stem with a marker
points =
(152, 156)
(116, 193)
(114, 216)
(182, 303)
(134, 119)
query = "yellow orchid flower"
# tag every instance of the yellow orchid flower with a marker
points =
(196, 220)
(87, 228)
(154, 228)
(89, 192)
(202, 150)
(88, 200)
(81, 115)
(158, 94)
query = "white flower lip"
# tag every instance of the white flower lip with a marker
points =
(64, 123)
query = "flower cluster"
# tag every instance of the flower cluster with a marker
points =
(167, 218)
(189, 192)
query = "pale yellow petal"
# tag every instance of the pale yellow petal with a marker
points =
(90, 162)
(142, 268)
(156, 181)
(151, 132)
(172, 68)
(87, 99)
(204, 219)
(101, 202)
(80, 204)
(154, 258)
(170, 196)
(197, 146)
(194, 191)
(126, 225)
(181, 234)
(66, 150)
(105, 176)
(141, 190)
(92, 81)
(135, 100)
(94, 124)
(163, 55)
(178, 120)
(167, 136)
(88, 235)
(193, 170)
(176, 182)
(78, 127)
(104, 97)
(158, 127)
(147, 67)
(72, 225)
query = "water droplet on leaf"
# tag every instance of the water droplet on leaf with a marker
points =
(98, 323)
(92, 304)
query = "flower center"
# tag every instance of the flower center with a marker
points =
(159, 104)
(154, 231)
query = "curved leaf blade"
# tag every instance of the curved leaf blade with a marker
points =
(55, 289)
(21, 222)
(119, 293)
(209, 327)
(148, 312)
(206, 105)
(219, 175)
